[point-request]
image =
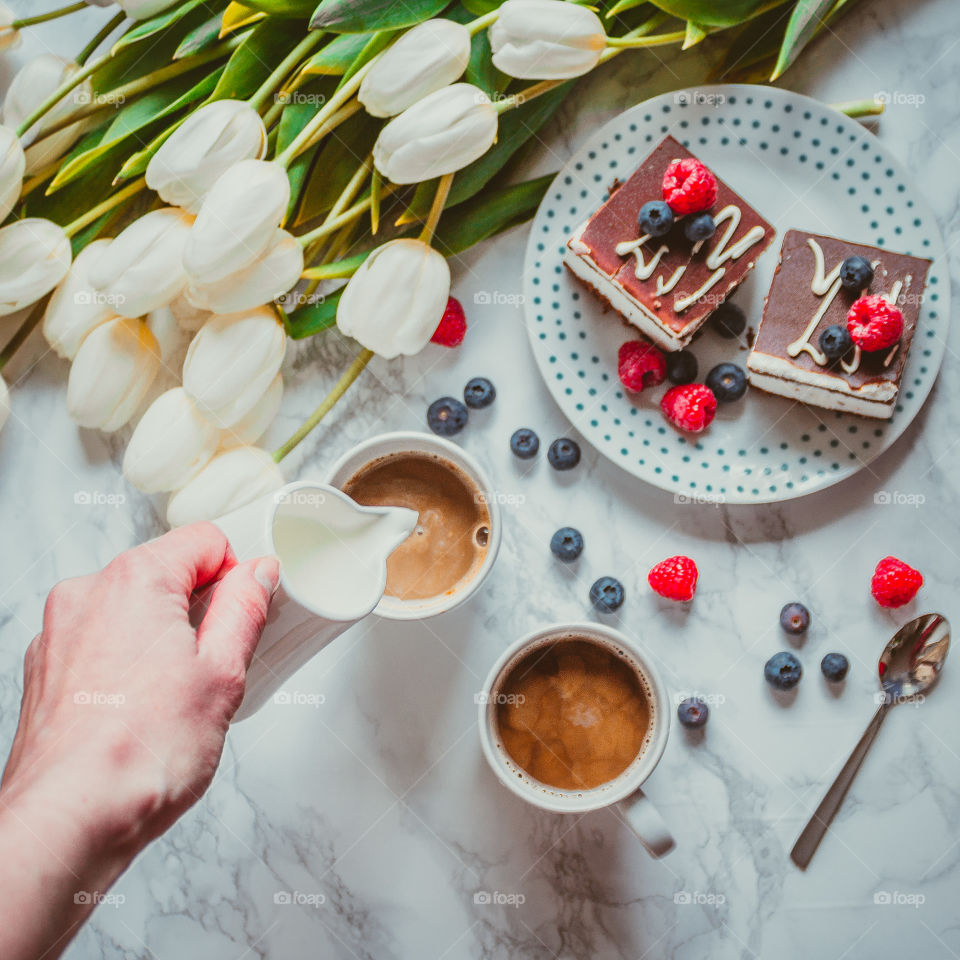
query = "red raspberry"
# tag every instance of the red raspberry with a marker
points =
(453, 325)
(873, 323)
(894, 582)
(640, 364)
(690, 407)
(674, 578)
(689, 187)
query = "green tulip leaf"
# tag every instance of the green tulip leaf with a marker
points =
(336, 58)
(807, 19)
(314, 317)
(165, 20)
(200, 38)
(489, 213)
(480, 8)
(709, 13)
(752, 49)
(359, 16)
(283, 8)
(137, 118)
(254, 60)
(378, 41)
(480, 69)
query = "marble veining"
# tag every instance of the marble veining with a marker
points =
(368, 825)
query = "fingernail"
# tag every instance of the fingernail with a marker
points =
(267, 574)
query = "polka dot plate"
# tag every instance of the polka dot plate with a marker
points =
(801, 165)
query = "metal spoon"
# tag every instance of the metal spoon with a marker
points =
(908, 666)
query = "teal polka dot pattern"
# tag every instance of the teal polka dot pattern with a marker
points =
(802, 165)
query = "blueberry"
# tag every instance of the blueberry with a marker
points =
(655, 218)
(834, 667)
(835, 342)
(446, 416)
(525, 443)
(607, 594)
(728, 320)
(567, 544)
(693, 712)
(783, 671)
(564, 454)
(856, 273)
(699, 227)
(681, 367)
(479, 393)
(795, 618)
(727, 381)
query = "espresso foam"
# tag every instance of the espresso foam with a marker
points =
(449, 544)
(572, 713)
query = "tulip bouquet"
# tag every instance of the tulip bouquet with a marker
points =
(206, 163)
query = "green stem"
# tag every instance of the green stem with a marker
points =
(627, 42)
(332, 225)
(26, 328)
(283, 69)
(344, 384)
(515, 100)
(71, 229)
(860, 108)
(436, 208)
(337, 270)
(306, 136)
(49, 15)
(82, 74)
(91, 47)
(475, 26)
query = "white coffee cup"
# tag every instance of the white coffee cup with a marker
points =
(386, 444)
(624, 790)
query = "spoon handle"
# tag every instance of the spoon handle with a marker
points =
(813, 832)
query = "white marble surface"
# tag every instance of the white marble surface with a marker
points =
(376, 809)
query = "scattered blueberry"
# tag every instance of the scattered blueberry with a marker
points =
(607, 594)
(783, 671)
(567, 544)
(795, 618)
(835, 342)
(479, 393)
(834, 667)
(681, 367)
(564, 454)
(446, 416)
(693, 712)
(856, 273)
(655, 218)
(525, 443)
(729, 320)
(727, 381)
(699, 227)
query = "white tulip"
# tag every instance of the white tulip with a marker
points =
(237, 221)
(231, 363)
(34, 83)
(188, 317)
(9, 36)
(209, 142)
(35, 256)
(229, 481)
(395, 301)
(546, 39)
(439, 134)
(253, 426)
(13, 164)
(273, 274)
(75, 307)
(171, 444)
(170, 336)
(142, 269)
(141, 9)
(426, 58)
(111, 373)
(4, 402)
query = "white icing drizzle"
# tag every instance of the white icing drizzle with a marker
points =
(721, 253)
(644, 269)
(854, 363)
(681, 303)
(672, 282)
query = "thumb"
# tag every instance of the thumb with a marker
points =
(230, 630)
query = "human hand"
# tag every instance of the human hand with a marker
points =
(126, 705)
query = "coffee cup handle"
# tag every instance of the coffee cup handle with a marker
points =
(645, 821)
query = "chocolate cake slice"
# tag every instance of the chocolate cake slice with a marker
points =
(666, 286)
(805, 298)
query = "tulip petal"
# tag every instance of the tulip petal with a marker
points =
(171, 444)
(75, 307)
(254, 425)
(13, 164)
(4, 402)
(111, 374)
(229, 481)
(35, 256)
